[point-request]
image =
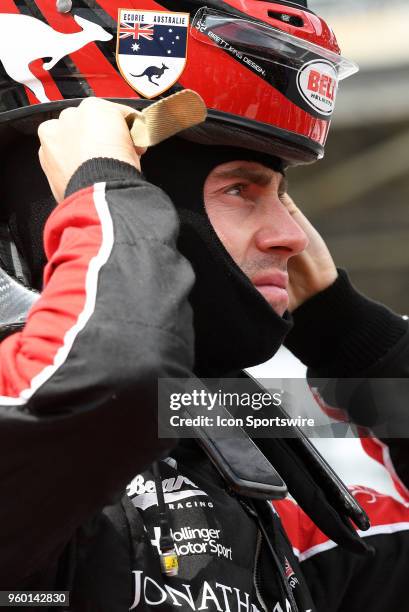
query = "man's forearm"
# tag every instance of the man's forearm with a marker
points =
(78, 409)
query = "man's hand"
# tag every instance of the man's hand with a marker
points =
(313, 270)
(96, 128)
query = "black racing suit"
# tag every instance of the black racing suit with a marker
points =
(78, 422)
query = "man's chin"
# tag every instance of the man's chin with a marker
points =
(276, 297)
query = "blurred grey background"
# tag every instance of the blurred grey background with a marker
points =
(358, 195)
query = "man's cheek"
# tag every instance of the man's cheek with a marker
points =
(232, 243)
(228, 226)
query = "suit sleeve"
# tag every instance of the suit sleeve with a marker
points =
(357, 353)
(78, 385)
(340, 581)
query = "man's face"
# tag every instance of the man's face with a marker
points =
(246, 203)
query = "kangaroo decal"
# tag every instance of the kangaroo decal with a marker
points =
(40, 40)
(152, 71)
(151, 49)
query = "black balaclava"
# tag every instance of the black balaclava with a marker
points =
(26, 202)
(235, 327)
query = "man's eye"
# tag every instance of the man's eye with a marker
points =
(235, 190)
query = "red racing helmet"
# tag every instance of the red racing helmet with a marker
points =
(268, 71)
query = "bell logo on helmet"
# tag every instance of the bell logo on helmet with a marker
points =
(317, 83)
(36, 40)
(151, 49)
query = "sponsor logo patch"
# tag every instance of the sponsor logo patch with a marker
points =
(143, 492)
(317, 83)
(195, 541)
(151, 49)
(290, 574)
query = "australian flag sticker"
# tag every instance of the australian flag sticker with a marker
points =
(151, 49)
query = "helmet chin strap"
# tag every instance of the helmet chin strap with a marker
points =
(165, 118)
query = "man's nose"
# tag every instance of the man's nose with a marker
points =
(278, 231)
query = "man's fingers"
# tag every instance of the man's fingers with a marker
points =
(96, 128)
(41, 157)
(91, 104)
(44, 166)
(46, 128)
(123, 109)
(290, 204)
(97, 107)
(140, 151)
(68, 113)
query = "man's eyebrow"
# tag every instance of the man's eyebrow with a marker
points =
(258, 176)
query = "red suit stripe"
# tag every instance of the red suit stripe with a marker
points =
(386, 514)
(78, 239)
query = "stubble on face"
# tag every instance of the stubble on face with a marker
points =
(269, 276)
